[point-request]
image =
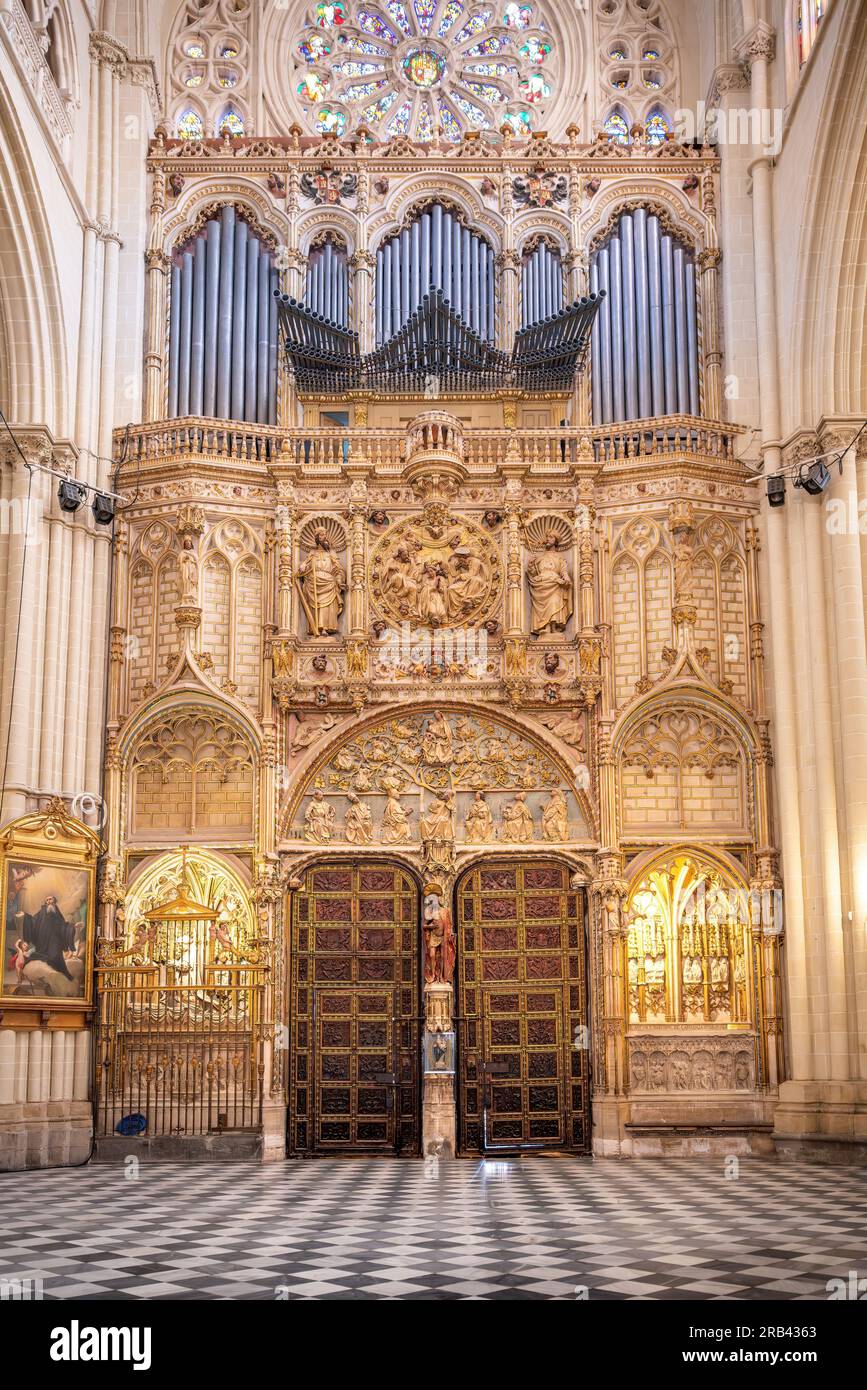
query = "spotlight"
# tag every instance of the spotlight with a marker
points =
(70, 495)
(813, 478)
(102, 507)
(776, 490)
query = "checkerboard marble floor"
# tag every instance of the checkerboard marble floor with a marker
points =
(538, 1228)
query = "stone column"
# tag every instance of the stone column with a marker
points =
(708, 262)
(439, 1118)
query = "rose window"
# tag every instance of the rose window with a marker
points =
(428, 69)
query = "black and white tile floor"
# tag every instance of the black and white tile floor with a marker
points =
(541, 1228)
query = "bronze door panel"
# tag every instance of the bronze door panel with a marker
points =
(524, 1066)
(354, 1081)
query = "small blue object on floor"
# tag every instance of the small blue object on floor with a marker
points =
(131, 1124)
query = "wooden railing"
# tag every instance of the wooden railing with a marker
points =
(314, 449)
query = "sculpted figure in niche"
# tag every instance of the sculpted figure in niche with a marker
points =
(517, 821)
(550, 589)
(555, 817)
(439, 938)
(358, 824)
(189, 564)
(436, 743)
(395, 822)
(479, 826)
(318, 820)
(323, 584)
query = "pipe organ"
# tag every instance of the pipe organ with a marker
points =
(435, 251)
(645, 348)
(541, 284)
(223, 324)
(327, 289)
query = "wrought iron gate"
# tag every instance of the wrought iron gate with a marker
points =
(180, 1028)
(524, 1078)
(355, 1011)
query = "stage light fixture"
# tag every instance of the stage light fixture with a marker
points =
(102, 507)
(70, 495)
(776, 490)
(813, 478)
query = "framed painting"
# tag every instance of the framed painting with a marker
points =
(48, 879)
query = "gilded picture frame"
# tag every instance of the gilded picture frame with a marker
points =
(48, 875)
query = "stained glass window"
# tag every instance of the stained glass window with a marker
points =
(376, 61)
(190, 126)
(517, 16)
(617, 127)
(450, 15)
(231, 122)
(656, 128)
(330, 122)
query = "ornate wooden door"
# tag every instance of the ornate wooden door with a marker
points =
(354, 1047)
(524, 1067)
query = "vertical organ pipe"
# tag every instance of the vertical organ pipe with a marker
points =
(197, 337)
(692, 337)
(447, 256)
(491, 284)
(417, 287)
(630, 354)
(212, 307)
(669, 341)
(395, 285)
(386, 292)
(616, 292)
(680, 330)
(425, 252)
(263, 347)
(380, 293)
(475, 320)
(186, 333)
(272, 351)
(437, 245)
(174, 338)
(227, 278)
(239, 320)
(252, 335)
(405, 305)
(457, 297)
(602, 261)
(654, 301)
(642, 336)
(595, 355)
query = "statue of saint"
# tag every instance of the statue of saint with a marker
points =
(439, 938)
(479, 826)
(189, 566)
(555, 817)
(395, 822)
(318, 819)
(550, 589)
(322, 582)
(468, 583)
(436, 743)
(358, 823)
(517, 820)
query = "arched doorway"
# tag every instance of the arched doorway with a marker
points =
(355, 1010)
(524, 1060)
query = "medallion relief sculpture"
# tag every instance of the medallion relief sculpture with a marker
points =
(435, 573)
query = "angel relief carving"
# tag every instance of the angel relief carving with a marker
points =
(436, 573)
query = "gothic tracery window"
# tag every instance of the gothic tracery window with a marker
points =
(209, 62)
(637, 69)
(427, 69)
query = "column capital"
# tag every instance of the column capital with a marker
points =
(759, 45)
